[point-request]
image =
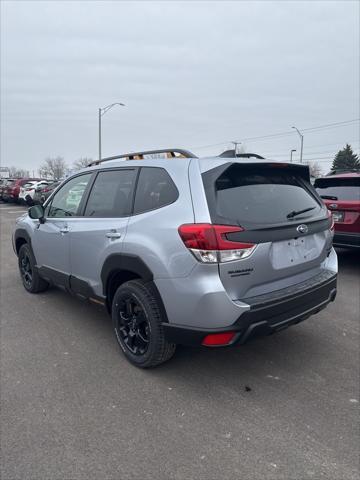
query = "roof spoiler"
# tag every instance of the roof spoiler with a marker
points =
(232, 154)
(169, 153)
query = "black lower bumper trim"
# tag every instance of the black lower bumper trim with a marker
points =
(265, 316)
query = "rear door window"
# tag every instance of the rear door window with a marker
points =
(338, 188)
(258, 195)
(111, 194)
(155, 189)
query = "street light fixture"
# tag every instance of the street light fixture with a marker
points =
(291, 152)
(301, 142)
(102, 112)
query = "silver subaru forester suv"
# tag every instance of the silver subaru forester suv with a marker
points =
(184, 250)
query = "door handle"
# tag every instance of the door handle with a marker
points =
(64, 229)
(113, 234)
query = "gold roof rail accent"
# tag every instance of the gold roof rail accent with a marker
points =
(169, 153)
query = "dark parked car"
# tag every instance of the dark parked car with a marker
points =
(41, 194)
(12, 188)
(2, 184)
(341, 193)
(8, 182)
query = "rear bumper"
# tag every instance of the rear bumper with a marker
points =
(268, 313)
(346, 240)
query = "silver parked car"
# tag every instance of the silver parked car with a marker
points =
(184, 250)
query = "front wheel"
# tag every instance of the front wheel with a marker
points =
(30, 277)
(137, 322)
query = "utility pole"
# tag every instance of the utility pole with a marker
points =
(291, 153)
(99, 133)
(301, 142)
(102, 112)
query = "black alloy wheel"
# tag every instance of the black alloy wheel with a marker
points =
(133, 325)
(26, 269)
(138, 318)
(30, 277)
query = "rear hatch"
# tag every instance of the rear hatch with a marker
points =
(342, 196)
(280, 213)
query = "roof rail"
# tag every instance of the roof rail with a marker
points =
(170, 153)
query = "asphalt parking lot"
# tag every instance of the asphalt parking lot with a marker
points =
(282, 407)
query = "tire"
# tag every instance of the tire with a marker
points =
(30, 277)
(137, 320)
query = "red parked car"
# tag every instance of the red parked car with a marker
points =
(12, 188)
(341, 193)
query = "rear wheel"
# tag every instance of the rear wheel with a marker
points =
(137, 323)
(30, 277)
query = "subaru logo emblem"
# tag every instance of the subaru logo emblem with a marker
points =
(302, 228)
(333, 205)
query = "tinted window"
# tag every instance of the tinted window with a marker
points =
(252, 196)
(155, 189)
(66, 201)
(111, 194)
(338, 188)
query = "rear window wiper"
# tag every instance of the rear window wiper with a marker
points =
(298, 212)
(328, 197)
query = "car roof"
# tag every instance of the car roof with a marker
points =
(343, 175)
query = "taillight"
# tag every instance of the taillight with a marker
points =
(209, 244)
(330, 215)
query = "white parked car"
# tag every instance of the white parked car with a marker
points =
(31, 187)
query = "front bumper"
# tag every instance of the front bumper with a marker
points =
(268, 313)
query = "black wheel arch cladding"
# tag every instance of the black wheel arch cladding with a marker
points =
(117, 263)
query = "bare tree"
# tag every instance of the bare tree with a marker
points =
(15, 172)
(81, 163)
(315, 169)
(53, 168)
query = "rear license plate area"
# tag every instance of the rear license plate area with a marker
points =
(296, 251)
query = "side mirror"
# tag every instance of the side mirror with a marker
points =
(36, 212)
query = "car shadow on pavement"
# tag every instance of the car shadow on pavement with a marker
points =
(348, 258)
(285, 356)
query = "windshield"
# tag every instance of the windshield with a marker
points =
(338, 188)
(255, 195)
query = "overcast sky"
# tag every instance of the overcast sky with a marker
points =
(190, 73)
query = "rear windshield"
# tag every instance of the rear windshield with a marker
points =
(338, 188)
(256, 195)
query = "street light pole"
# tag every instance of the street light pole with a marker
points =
(102, 112)
(301, 142)
(291, 152)
(99, 133)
